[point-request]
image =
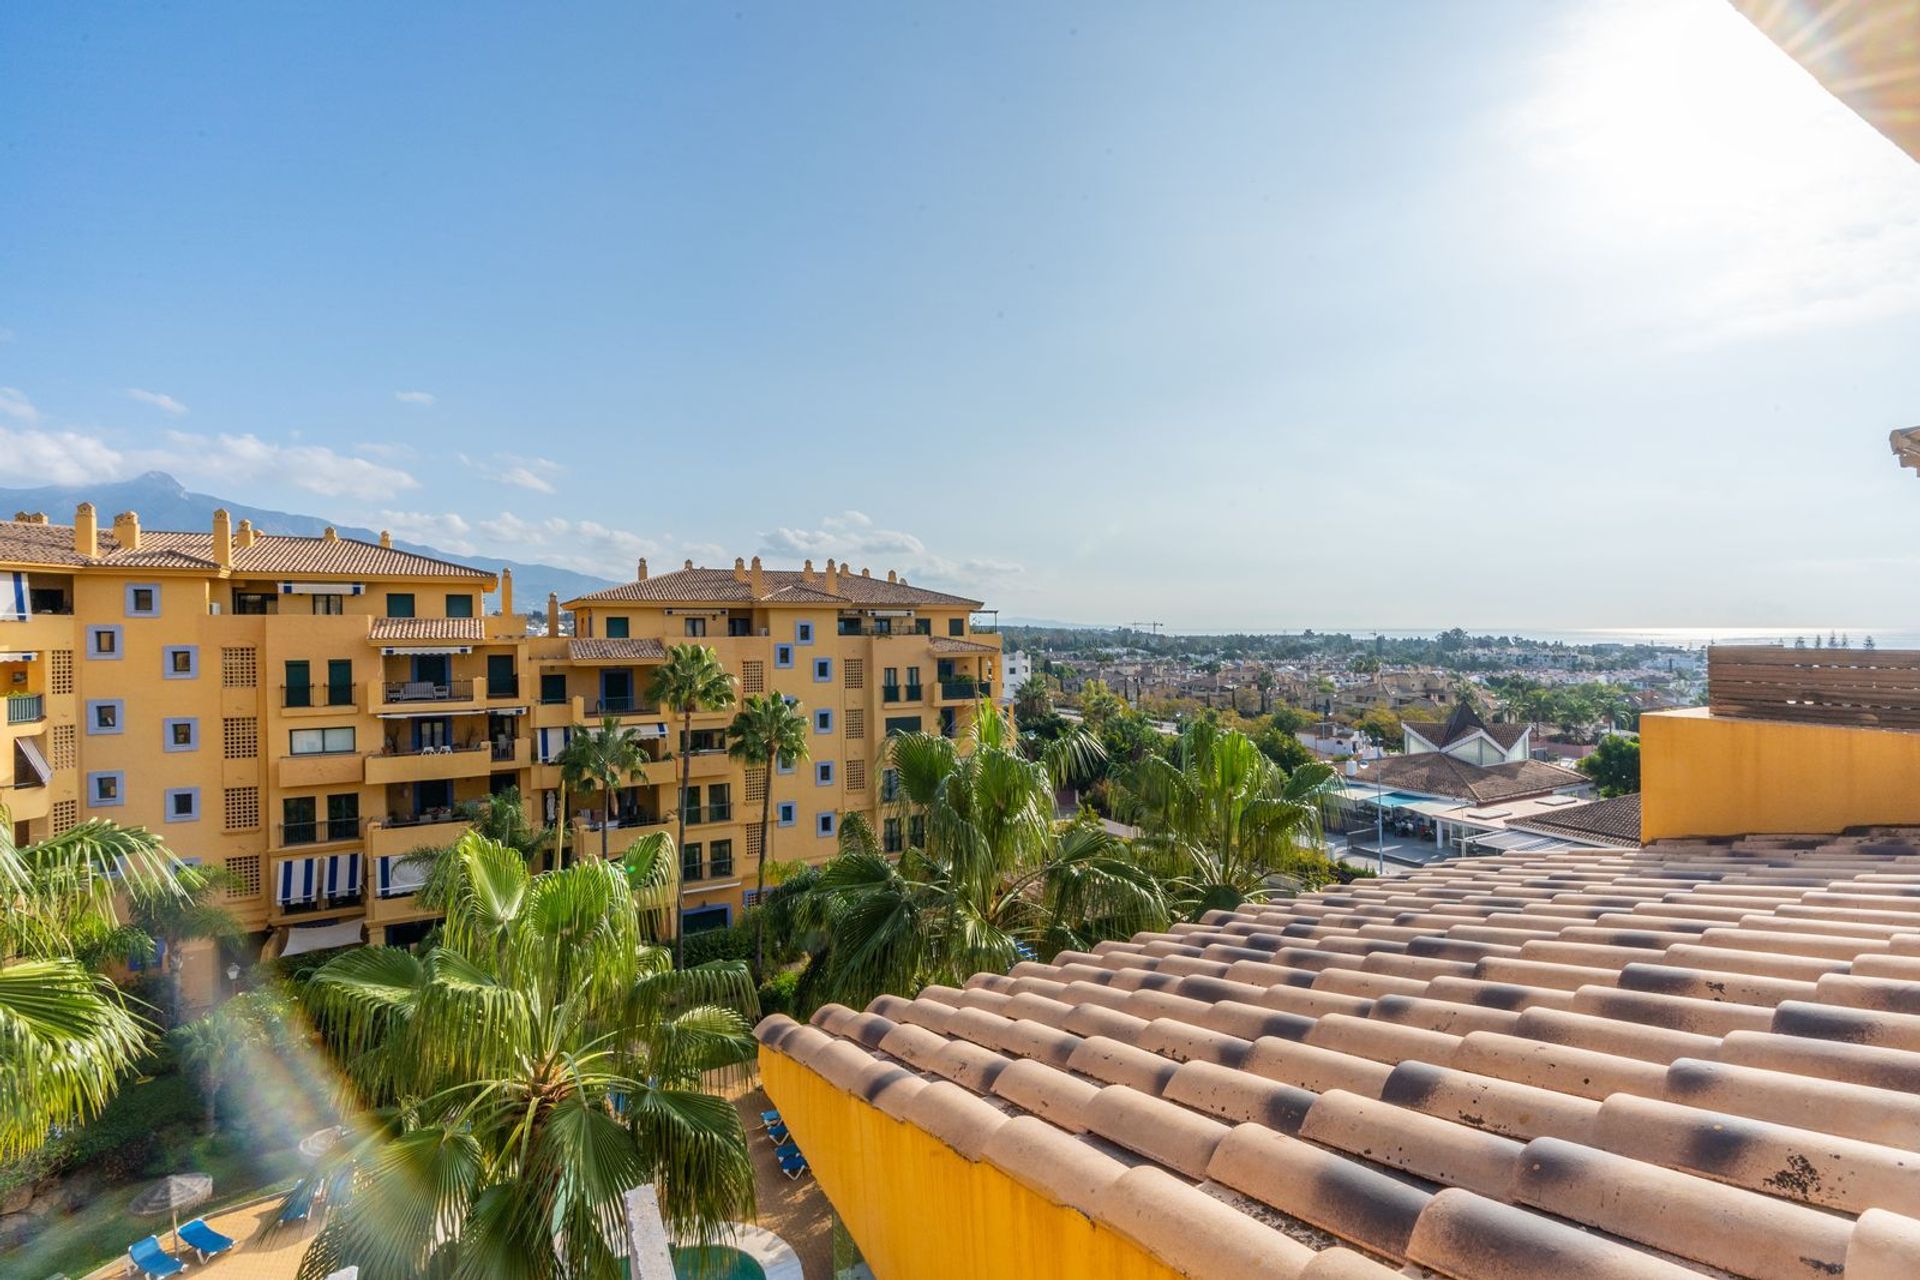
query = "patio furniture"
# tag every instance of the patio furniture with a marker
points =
(299, 1204)
(787, 1150)
(778, 1132)
(204, 1240)
(149, 1259)
(170, 1195)
(793, 1167)
(768, 1119)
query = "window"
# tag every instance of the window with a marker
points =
(782, 765)
(850, 626)
(180, 661)
(890, 836)
(105, 716)
(343, 816)
(251, 603)
(701, 919)
(923, 626)
(103, 642)
(822, 670)
(803, 633)
(180, 735)
(823, 720)
(956, 626)
(328, 604)
(739, 626)
(696, 626)
(399, 604)
(890, 684)
(617, 628)
(106, 790)
(691, 862)
(917, 830)
(823, 773)
(143, 600)
(720, 860)
(299, 686)
(553, 687)
(183, 804)
(720, 802)
(826, 824)
(297, 825)
(913, 683)
(783, 655)
(459, 605)
(889, 785)
(320, 742)
(789, 813)
(902, 724)
(339, 681)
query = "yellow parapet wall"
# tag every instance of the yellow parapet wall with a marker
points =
(921, 1211)
(1708, 775)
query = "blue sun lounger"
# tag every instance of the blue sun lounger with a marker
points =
(778, 1133)
(299, 1203)
(768, 1119)
(793, 1166)
(206, 1242)
(153, 1261)
(787, 1150)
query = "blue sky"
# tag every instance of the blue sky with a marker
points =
(1262, 316)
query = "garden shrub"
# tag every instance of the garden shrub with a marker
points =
(778, 993)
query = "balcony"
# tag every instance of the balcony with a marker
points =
(513, 754)
(318, 831)
(26, 708)
(294, 697)
(507, 688)
(963, 689)
(429, 763)
(406, 833)
(26, 801)
(629, 705)
(320, 769)
(901, 693)
(415, 691)
(712, 763)
(698, 814)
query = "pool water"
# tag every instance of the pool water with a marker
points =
(714, 1262)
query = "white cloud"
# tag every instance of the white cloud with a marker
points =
(535, 474)
(853, 538)
(59, 457)
(208, 462)
(159, 400)
(448, 531)
(14, 404)
(386, 451)
(414, 397)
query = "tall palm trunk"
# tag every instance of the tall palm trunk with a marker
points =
(760, 878)
(606, 814)
(680, 882)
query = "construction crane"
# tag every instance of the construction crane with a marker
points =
(1153, 627)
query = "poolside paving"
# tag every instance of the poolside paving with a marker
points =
(797, 1212)
(253, 1257)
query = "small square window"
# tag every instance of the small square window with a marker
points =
(143, 600)
(183, 804)
(180, 661)
(180, 735)
(823, 720)
(823, 773)
(789, 813)
(826, 824)
(782, 765)
(822, 670)
(617, 628)
(399, 604)
(459, 605)
(696, 627)
(103, 642)
(106, 790)
(956, 626)
(783, 655)
(106, 716)
(803, 633)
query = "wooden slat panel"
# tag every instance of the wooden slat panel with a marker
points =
(1868, 687)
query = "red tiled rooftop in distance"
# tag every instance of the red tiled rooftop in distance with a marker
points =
(1692, 1059)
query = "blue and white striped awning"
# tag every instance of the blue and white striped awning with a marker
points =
(397, 876)
(323, 588)
(13, 598)
(549, 743)
(296, 882)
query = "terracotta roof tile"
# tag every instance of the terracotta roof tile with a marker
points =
(778, 586)
(1436, 773)
(270, 554)
(615, 650)
(388, 630)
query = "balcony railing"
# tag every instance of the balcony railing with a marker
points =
(507, 688)
(963, 688)
(901, 693)
(319, 831)
(709, 813)
(503, 751)
(720, 866)
(318, 695)
(425, 818)
(428, 691)
(627, 705)
(25, 708)
(447, 750)
(625, 821)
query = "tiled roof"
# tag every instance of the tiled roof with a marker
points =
(469, 630)
(954, 645)
(271, 553)
(1463, 722)
(1616, 821)
(1621, 1064)
(591, 650)
(719, 586)
(1438, 774)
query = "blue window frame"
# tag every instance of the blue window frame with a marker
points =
(180, 661)
(107, 789)
(783, 655)
(183, 804)
(823, 719)
(822, 670)
(803, 633)
(823, 773)
(180, 734)
(789, 813)
(106, 715)
(143, 599)
(105, 643)
(826, 824)
(782, 765)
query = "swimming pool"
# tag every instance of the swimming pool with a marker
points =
(714, 1262)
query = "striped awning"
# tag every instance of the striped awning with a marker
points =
(323, 588)
(398, 876)
(13, 598)
(418, 650)
(35, 761)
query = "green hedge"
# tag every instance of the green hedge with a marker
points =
(122, 1138)
(734, 942)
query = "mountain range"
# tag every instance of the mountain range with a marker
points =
(164, 503)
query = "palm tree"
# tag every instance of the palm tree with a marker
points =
(1220, 818)
(219, 1044)
(991, 880)
(182, 912)
(690, 680)
(601, 758)
(528, 1070)
(767, 729)
(66, 1035)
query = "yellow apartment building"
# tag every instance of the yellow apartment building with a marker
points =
(305, 711)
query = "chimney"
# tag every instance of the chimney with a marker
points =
(331, 534)
(223, 538)
(386, 539)
(892, 576)
(643, 568)
(865, 572)
(754, 577)
(806, 572)
(86, 531)
(833, 577)
(126, 530)
(244, 536)
(688, 565)
(553, 613)
(506, 591)
(739, 569)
